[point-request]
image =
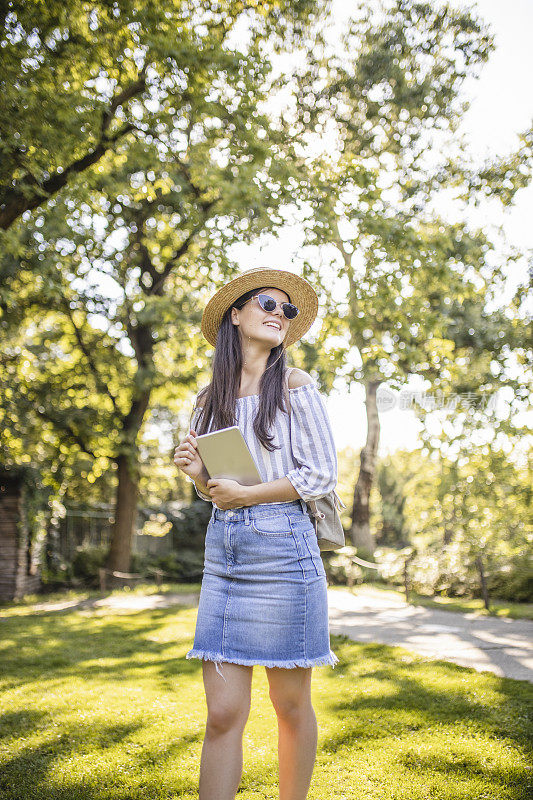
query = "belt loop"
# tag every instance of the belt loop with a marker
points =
(246, 515)
(303, 505)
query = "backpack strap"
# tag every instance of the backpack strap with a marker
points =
(194, 407)
(286, 388)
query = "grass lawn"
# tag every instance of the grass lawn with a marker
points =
(100, 704)
(498, 608)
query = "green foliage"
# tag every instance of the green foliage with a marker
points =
(341, 569)
(151, 154)
(80, 80)
(392, 526)
(87, 560)
(184, 563)
(183, 566)
(35, 499)
(513, 579)
(456, 509)
(190, 523)
(449, 571)
(58, 577)
(415, 286)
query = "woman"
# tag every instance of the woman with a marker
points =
(263, 598)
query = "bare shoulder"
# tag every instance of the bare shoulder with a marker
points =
(299, 377)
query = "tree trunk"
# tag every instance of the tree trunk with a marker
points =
(360, 533)
(483, 582)
(125, 513)
(119, 555)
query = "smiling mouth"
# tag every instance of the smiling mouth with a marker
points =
(272, 325)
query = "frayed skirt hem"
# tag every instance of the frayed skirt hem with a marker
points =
(331, 659)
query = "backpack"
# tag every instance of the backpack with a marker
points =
(322, 512)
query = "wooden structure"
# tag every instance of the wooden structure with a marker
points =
(18, 575)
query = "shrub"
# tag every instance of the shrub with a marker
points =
(87, 561)
(512, 580)
(452, 571)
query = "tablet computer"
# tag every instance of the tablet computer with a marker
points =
(226, 455)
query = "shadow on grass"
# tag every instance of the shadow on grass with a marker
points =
(48, 650)
(464, 767)
(393, 699)
(59, 644)
(30, 774)
(34, 761)
(14, 723)
(415, 694)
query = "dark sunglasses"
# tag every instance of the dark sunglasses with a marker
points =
(268, 303)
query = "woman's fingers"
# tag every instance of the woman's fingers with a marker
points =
(186, 452)
(186, 445)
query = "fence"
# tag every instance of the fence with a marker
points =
(81, 527)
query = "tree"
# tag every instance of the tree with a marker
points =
(127, 251)
(418, 284)
(82, 78)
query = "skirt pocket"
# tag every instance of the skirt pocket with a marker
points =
(276, 525)
(303, 526)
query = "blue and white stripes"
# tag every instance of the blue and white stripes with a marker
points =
(314, 456)
(311, 464)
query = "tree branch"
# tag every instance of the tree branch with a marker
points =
(87, 353)
(184, 169)
(18, 200)
(135, 88)
(64, 426)
(157, 287)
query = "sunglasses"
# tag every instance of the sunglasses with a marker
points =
(268, 303)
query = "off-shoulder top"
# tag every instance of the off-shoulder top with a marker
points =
(307, 456)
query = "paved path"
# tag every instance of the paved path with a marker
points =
(502, 646)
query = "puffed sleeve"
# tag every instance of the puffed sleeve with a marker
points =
(194, 418)
(313, 446)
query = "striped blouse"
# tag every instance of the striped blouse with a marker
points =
(311, 464)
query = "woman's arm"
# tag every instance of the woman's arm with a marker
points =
(279, 490)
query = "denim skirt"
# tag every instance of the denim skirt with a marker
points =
(263, 598)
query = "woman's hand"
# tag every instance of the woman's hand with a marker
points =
(187, 458)
(227, 493)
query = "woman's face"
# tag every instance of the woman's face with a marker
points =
(253, 321)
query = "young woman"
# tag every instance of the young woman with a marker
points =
(263, 597)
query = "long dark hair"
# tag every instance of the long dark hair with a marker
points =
(220, 395)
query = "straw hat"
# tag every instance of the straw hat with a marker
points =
(300, 291)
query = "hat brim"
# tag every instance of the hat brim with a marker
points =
(299, 290)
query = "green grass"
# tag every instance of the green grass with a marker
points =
(498, 608)
(97, 704)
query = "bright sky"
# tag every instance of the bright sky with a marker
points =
(501, 107)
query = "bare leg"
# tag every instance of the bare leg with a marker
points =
(228, 707)
(290, 692)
